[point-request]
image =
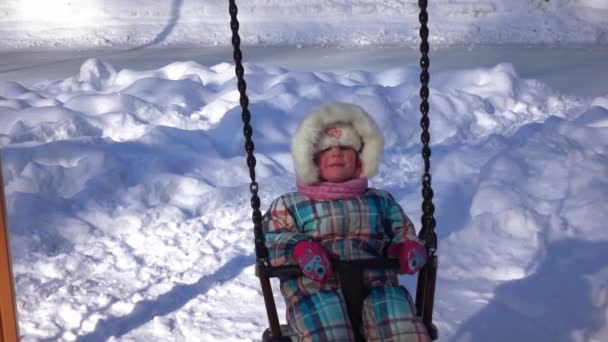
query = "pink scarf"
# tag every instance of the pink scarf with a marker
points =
(324, 191)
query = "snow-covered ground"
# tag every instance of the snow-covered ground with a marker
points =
(127, 189)
(112, 23)
(568, 69)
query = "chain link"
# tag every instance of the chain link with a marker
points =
(427, 232)
(260, 251)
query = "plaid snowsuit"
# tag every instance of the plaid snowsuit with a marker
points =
(358, 228)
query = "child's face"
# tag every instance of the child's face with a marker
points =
(338, 164)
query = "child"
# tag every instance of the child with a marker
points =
(336, 148)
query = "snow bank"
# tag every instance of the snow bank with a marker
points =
(128, 197)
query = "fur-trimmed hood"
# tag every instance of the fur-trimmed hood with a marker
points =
(356, 129)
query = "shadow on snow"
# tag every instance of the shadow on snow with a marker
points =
(173, 300)
(553, 304)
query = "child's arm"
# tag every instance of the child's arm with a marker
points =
(281, 232)
(405, 244)
(400, 226)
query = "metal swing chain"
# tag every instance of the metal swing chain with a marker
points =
(427, 232)
(260, 251)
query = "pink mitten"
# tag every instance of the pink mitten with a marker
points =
(411, 254)
(313, 260)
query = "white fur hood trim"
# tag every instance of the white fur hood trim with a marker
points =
(307, 136)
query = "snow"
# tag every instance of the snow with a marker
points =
(111, 23)
(128, 193)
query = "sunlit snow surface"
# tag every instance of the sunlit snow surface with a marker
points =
(129, 213)
(119, 23)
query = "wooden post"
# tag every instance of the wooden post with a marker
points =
(9, 329)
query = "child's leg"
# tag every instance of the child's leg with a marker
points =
(320, 316)
(389, 315)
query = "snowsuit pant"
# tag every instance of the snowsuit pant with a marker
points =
(388, 315)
